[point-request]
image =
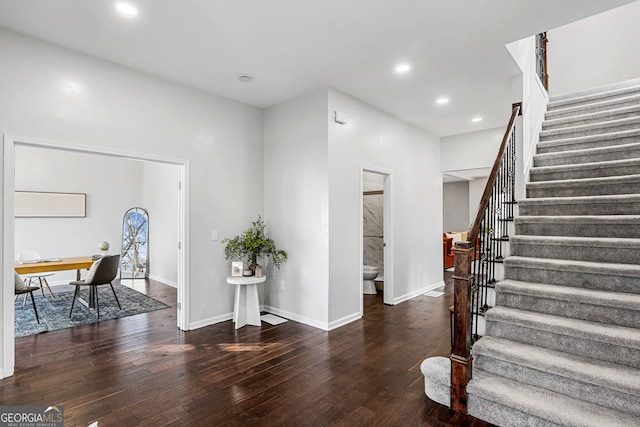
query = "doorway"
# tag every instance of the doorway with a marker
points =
(10, 144)
(376, 233)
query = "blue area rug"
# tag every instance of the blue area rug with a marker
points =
(54, 314)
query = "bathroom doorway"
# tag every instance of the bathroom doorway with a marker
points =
(376, 236)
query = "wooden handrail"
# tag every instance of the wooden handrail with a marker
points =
(461, 359)
(516, 110)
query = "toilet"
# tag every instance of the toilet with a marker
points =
(369, 272)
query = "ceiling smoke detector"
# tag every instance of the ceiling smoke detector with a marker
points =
(245, 78)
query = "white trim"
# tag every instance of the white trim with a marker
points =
(296, 317)
(419, 292)
(163, 280)
(345, 320)
(8, 249)
(8, 229)
(210, 321)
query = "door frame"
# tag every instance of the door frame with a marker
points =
(387, 224)
(8, 229)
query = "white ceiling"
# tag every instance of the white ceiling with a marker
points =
(291, 47)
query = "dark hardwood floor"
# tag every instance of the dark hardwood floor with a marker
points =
(142, 370)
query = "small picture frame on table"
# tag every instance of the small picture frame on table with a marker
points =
(236, 268)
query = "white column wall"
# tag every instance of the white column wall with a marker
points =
(296, 189)
(160, 197)
(372, 138)
(53, 93)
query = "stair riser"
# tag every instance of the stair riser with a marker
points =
(572, 309)
(502, 415)
(565, 112)
(603, 396)
(599, 189)
(580, 279)
(596, 129)
(537, 175)
(574, 159)
(607, 352)
(613, 254)
(581, 229)
(579, 121)
(562, 145)
(577, 208)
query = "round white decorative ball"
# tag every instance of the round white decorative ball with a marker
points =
(103, 246)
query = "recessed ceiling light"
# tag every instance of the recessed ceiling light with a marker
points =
(476, 119)
(245, 78)
(403, 68)
(126, 9)
(442, 100)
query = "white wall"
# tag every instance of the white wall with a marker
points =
(534, 100)
(476, 189)
(595, 51)
(116, 108)
(472, 150)
(112, 185)
(161, 200)
(296, 191)
(455, 196)
(374, 139)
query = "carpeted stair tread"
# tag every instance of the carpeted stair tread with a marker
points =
(608, 185)
(589, 141)
(533, 406)
(586, 170)
(614, 90)
(586, 117)
(619, 101)
(591, 128)
(592, 275)
(619, 204)
(587, 296)
(614, 226)
(583, 369)
(615, 308)
(603, 249)
(588, 155)
(612, 335)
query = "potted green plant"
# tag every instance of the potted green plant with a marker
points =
(253, 244)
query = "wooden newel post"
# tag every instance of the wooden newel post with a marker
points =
(461, 359)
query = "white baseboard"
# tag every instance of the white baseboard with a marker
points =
(210, 321)
(163, 280)
(414, 294)
(297, 318)
(345, 320)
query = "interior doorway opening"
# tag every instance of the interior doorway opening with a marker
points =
(181, 166)
(376, 236)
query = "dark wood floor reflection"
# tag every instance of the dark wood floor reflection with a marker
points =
(142, 370)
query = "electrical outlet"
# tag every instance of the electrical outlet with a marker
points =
(282, 284)
(214, 234)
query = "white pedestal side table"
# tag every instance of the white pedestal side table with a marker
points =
(246, 308)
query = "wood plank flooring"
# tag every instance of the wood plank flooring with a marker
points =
(142, 370)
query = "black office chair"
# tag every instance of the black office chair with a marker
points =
(102, 272)
(21, 288)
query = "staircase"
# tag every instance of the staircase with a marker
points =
(562, 344)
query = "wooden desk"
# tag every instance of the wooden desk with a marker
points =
(246, 309)
(78, 263)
